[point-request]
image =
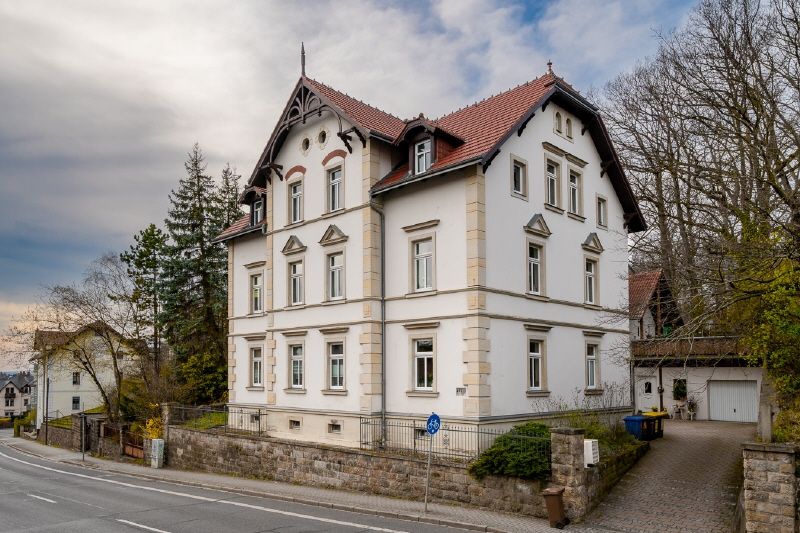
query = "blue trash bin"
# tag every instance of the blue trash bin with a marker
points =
(640, 426)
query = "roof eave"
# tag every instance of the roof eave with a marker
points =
(421, 177)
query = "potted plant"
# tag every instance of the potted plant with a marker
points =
(679, 389)
(691, 406)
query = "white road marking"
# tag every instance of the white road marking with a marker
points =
(134, 524)
(41, 498)
(205, 498)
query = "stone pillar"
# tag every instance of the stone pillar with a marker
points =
(270, 363)
(568, 470)
(770, 488)
(166, 419)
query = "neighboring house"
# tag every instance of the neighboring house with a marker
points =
(63, 387)
(712, 370)
(17, 391)
(501, 282)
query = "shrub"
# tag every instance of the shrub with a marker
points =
(787, 424)
(153, 428)
(523, 452)
(27, 420)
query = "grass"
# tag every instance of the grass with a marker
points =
(208, 420)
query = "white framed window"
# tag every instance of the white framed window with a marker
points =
(423, 364)
(591, 366)
(335, 189)
(422, 264)
(256, 293)
(9, 402)
(535, 364)
(336, 365)
(551, 183)
(519, 178)
(590, 281)
(602, 212)
(574, 206)
(558, 122)
(335, 276)
(296, 366)
(535, 253)
(256, 367)
(422, 156)
(296, 201)
(258, 211)
(76, 378)
(76, 403)
(296, 283)
(569, 128)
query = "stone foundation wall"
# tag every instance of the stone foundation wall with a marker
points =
(56, 436)
(349, 469)
(770, 488)
(601, 478)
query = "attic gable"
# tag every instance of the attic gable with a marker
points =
(332, 235)
(293, 246)
(537, 226)
(593, 244)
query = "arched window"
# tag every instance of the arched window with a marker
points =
(558, 122)
(569, 128)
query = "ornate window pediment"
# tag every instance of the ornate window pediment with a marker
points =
(293, 246)
(333, 235)
(593, 244)
(537, 226)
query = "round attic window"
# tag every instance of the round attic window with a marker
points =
(322, 137)
(305, 144)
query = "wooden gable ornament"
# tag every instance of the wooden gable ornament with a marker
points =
(593, 244)
(537, 226)
(332, 235)
(293, 246)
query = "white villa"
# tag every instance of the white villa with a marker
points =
(473, 265)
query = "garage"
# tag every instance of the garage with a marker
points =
(733, 400)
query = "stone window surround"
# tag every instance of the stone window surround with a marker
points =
(289, 182)
(550, 160)
(333, 250)
(595, 342)
(412, 389)
(252, 273)
(298, 258)
(250, 347)
(329, 340)
(541, 338)
(335, 162)
(578, 214)
(412, 239)
(561, 127)
(523, 163)
(289, 344)
(599, 197)
(540, 243)
(596, 260)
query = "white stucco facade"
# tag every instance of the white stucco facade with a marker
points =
(476, 312)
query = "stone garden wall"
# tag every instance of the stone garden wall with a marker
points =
(56, 436)
(770, 488)
(602, 478)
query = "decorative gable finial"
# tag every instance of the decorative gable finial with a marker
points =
(549, 66)
(302, 59)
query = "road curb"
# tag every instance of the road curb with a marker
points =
(280, 497)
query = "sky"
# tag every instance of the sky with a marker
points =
(100, 101)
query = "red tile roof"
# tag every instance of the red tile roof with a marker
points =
(641, 287)
(483, 124)
(364, 114)
(240, 226)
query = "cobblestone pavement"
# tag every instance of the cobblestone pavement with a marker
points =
(688, 482)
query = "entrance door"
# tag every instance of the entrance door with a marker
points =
(734, 401)
(646, 395)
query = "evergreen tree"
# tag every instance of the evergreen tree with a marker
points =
(194, 289)
(144, 261)
(229, 196)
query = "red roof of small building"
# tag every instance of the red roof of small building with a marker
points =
(240, 226)
(641, 287)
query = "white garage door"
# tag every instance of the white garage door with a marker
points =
(734, 401)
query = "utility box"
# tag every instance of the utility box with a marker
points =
(591, 452)
(157, 453)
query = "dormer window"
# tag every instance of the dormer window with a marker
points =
(422, 156)
(258, 211)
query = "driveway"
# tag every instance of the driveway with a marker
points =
(688, 482)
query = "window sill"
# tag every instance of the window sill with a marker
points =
(294, 306)
(329, 214)
(294, 224)
(576, 216)
(335, 302)
(537, 297)
(334, 392)
(255, 315)
(519, 195)
(255, 389)
(420, 294)
(294, 391)
(592, 392)
(593, 307)
(554, 208)
(603, 227)
(537, 393)
(422, 394)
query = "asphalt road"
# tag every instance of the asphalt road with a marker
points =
(41, 495)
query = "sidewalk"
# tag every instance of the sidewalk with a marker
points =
(464, 517)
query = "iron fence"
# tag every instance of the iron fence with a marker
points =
(452, 442)
(222, 419)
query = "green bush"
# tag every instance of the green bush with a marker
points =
(523, 452)
(787, 424)
(28, 420)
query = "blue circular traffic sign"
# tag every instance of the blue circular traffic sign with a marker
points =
(434, 424)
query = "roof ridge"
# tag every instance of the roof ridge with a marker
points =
(356, 99)
(506, 91)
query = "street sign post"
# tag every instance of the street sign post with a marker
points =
(433, 425)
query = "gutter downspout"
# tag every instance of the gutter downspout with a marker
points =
(383, 320)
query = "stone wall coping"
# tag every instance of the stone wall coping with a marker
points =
(568, 431)
(770, 447)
